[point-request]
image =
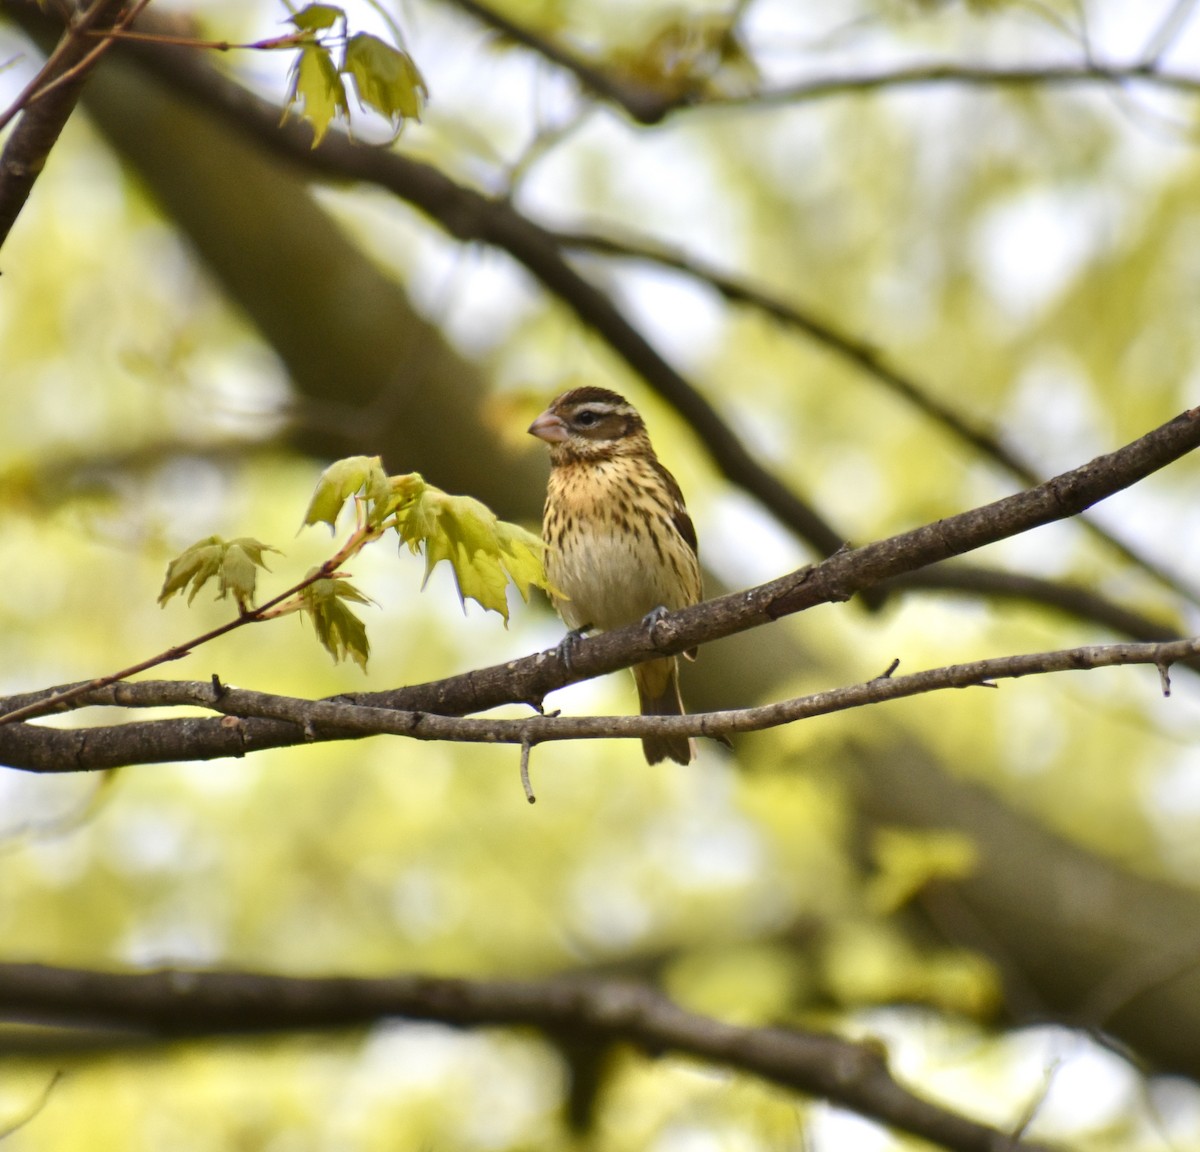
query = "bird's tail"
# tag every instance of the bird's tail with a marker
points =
(658, 692)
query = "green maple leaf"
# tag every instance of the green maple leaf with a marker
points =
(338, 628)
(345, 479)
(387, 79)
(233, 564)
(317, 17)
(486, 553)
(317, 93)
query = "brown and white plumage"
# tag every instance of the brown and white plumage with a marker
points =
(619, 540)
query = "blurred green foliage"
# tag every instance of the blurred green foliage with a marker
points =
(1024, 253)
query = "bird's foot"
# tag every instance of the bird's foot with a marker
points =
(568, 644)
(652, 620)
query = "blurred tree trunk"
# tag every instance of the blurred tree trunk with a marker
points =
(1076, 938)
(371, 376)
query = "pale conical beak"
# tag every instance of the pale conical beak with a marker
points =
(549, 427)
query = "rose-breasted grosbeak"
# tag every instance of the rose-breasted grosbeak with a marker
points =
(619, 542)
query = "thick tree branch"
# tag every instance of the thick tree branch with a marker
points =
(174, 1003)
(41, 749)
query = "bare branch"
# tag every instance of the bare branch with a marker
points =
(175, 1003)
(643, 103)
(421, 710)
(964, 75)
(45, 106)
(330, 719)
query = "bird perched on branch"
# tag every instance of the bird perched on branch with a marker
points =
(620, 545)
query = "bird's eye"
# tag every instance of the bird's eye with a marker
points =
(586, 419)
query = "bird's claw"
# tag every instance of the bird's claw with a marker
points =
(568, 644)
(652, 620)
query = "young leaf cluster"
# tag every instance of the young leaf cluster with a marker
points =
(385, 77)
(233, 564)
(486, 553)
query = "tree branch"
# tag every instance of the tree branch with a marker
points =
(468, 215)
(175, 1003)
(650, 106)
(870, 361)
(967, 75)
(46, 104)
(331, 719)
(645, 104)
(41, 749)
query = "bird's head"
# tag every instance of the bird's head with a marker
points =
(590, 423)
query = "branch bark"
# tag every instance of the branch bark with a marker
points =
(333, 720)
(176, 1003)
(46, 104)
(528, 680)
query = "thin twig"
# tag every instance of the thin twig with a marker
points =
(57, 701)
(525, 747)
(949, 73)
(269, 44)
(34, 1109)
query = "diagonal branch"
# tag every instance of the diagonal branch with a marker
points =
(174, 1003)
(45, 106)
(42, 749)
(468, 216)
(870, 361)
(645, 104)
